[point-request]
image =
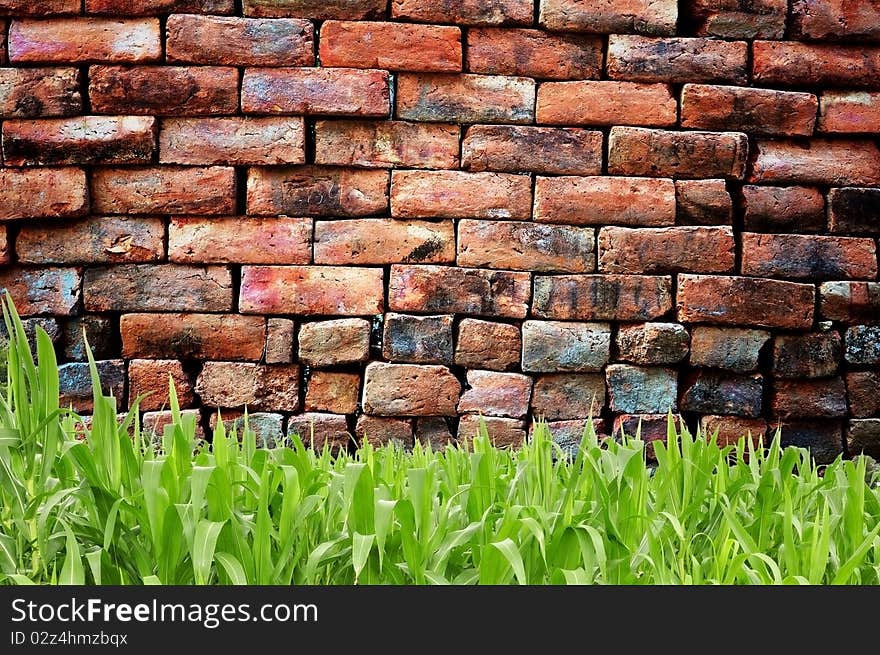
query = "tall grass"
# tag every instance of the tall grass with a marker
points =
(116, 507)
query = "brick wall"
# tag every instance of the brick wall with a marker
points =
(388, 217)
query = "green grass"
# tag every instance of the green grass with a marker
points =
(117, 508)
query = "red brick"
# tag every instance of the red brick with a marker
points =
(44, 193)
(163, 90)
(39, 92)
(807, 355)
(232, 240)
(652, 343)
(606, 103)
(849, 112)
(4, 245)
(666, 250)
(46, 290)
(83, 140)
(502, 432)
(417, 339)
(840, 162)
(730, 429)
(151, 376)
(384, 241)
(330, 343)
(835, 19)
(140, 8)
(379, 431)
(84, 40)
(316, 191)
(649, 427)
(157, 288)
(703, 202)
(433, 432)
(310, 290)
(738, 19)
(850, 302)
(861, 393)
(234, 41)
(663, 153)
(255, 386)
(557, 346)
(163, 190)
(232, 141)
(465, 98)
(789, 63)
(568, 396)
(756, 111)
(316, 9)
(386, 144)
(319, 430)
(315, 91)
(545, 150)
(728, 348)
(93, 240)
(465, 12)
(457, 194)
(279, 340)
(410, 390)
(745, 301)
(440, 289)
(153, 423)
(534, 53)
(854, 210)
(783, 209)
(603, 17)
(602, 297)
(809, 398)
(808, 256)
(39, 7)
(677, 60)
(605, 200)
(489, 345)
(192, 336)
(496, 394)
(332, 391)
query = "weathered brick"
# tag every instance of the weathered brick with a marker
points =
(433, 432)
(39, 92)
(440, 289)
(320, 430)
(666, 250)
(40, 7)
(863, 437)
(93, 240)
(562, 396)
(703, 202)
(43, 193)
(810, 355)
(824, 439)
(386, 144)
(809, 398)
(641, 390)
(379, 430)
(315, 91)
(465, 98)
(503, 432)
(755, 111)
(556, 346)
(233, 141)
(330, 343)
(546, 150)
(279, 340)
(729, 429)
(534, 53)
(81, 40)
(47, 290)
(332, 391)
(861, 393)
(237, 384)
(567, 435)
(835, 19)
(383, 241)
(808, 256)
(163, 190)
(409, 390)
(602, 297)
(154, 423)
(841, 162)
(745, 301)
(711, 392)
(316, 9)
(268, 428)
(783, 209)
(316, 191)
(30, 325)
(738, 19)
(649, 427)
(75, 383)
(606, 103)
(676, 60)
(489, 345)
(849, 302)
(652, 343)
(788, 63)
(526, 246)
(4, 245)
(101, 333)
(458, 194)
(732, 349)
(863, 344)
(600, 16)
(417, 339)
(605, 200)
(496, 394)
(140, 8)
(465, 12)
(854, 210)
(662, 153)
(151, 376)
(230, 240)
(849, 112)
(192, 336)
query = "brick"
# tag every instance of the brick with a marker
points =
(745, 301)
(465, 98)
(417, 339)
(315, 91)
(789, 63)
(157, 288)
(835, 19)
(849, 302)
(311, 290)
(409, 390)
(383, 241)
(93, 240)
(623, 16)
(137, 7)
(316, 9)
(433, 432)
(863, 344)
(602, 297)
(496, 394)
(154, 423)
(379, 431)
(268, 428)
(332, 391)
(676, 60)
(854, 210)
(83, 140)
(39, 7)
(526, 246)
(47, 290)
(863, 437)
(330, 343)
(502, 432)
(808, 256)
(237, 384)
(39, 92)
(465, 12)
(233, 141)
(192, 336)
(739, 19)
(810, 355)
(458, 194)
(605, 200)
(729, 429)
(101, 333)
(75, 383)
(649, 427)
(823, 439)
(703, 202)
(840, 162)
(4, 245)
(320, 430)
(390, 46)
(755, 111)
(861, 393)
(440, 289)
(232, 239)
(809, 398)
(30, 325)
(652, 343)
(666, 250)
(544, 150)
(563, 396)
(533, 53)
(556, 346)
(44, 193)
(82, 40)
(279, 340)
(151, 376)
(732, 349)
(163, 190)
(567, 435)
(849, 112)
(661, 153)
(641, 390)
(606, 103)
(712, 392)
(235, 41)
(316, 191)
(488, 345)
(783, 209)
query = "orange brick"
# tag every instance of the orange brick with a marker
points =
(703, 202)
(606, 103)
(39, 92)
(620, 16)
(496, 394)
(232, 141)
(410, 390)
(93, 240)
(384, 241)
(677, 60)
(46, 290)
(465, 12)
(533, 53)
(547, 150)
(457, 194)
(666, 250)
(332, 391)
(231, 240)
(835, 19)
(840, 162)
(43, 193)
(163, 190)
(849, 112)
(738, 19)
(601, 297)
(378, 431)
(4, 245)
(39, 7)
(151, 376)
(386, 144)
(808, 257)
(254, 386)
(336, 342)
(316, 9)
(811, 64)
(488, 345)
(465, 98)
(192, 336)
(503, 432)
(84, 40)
(605, 200)
(319, 431)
